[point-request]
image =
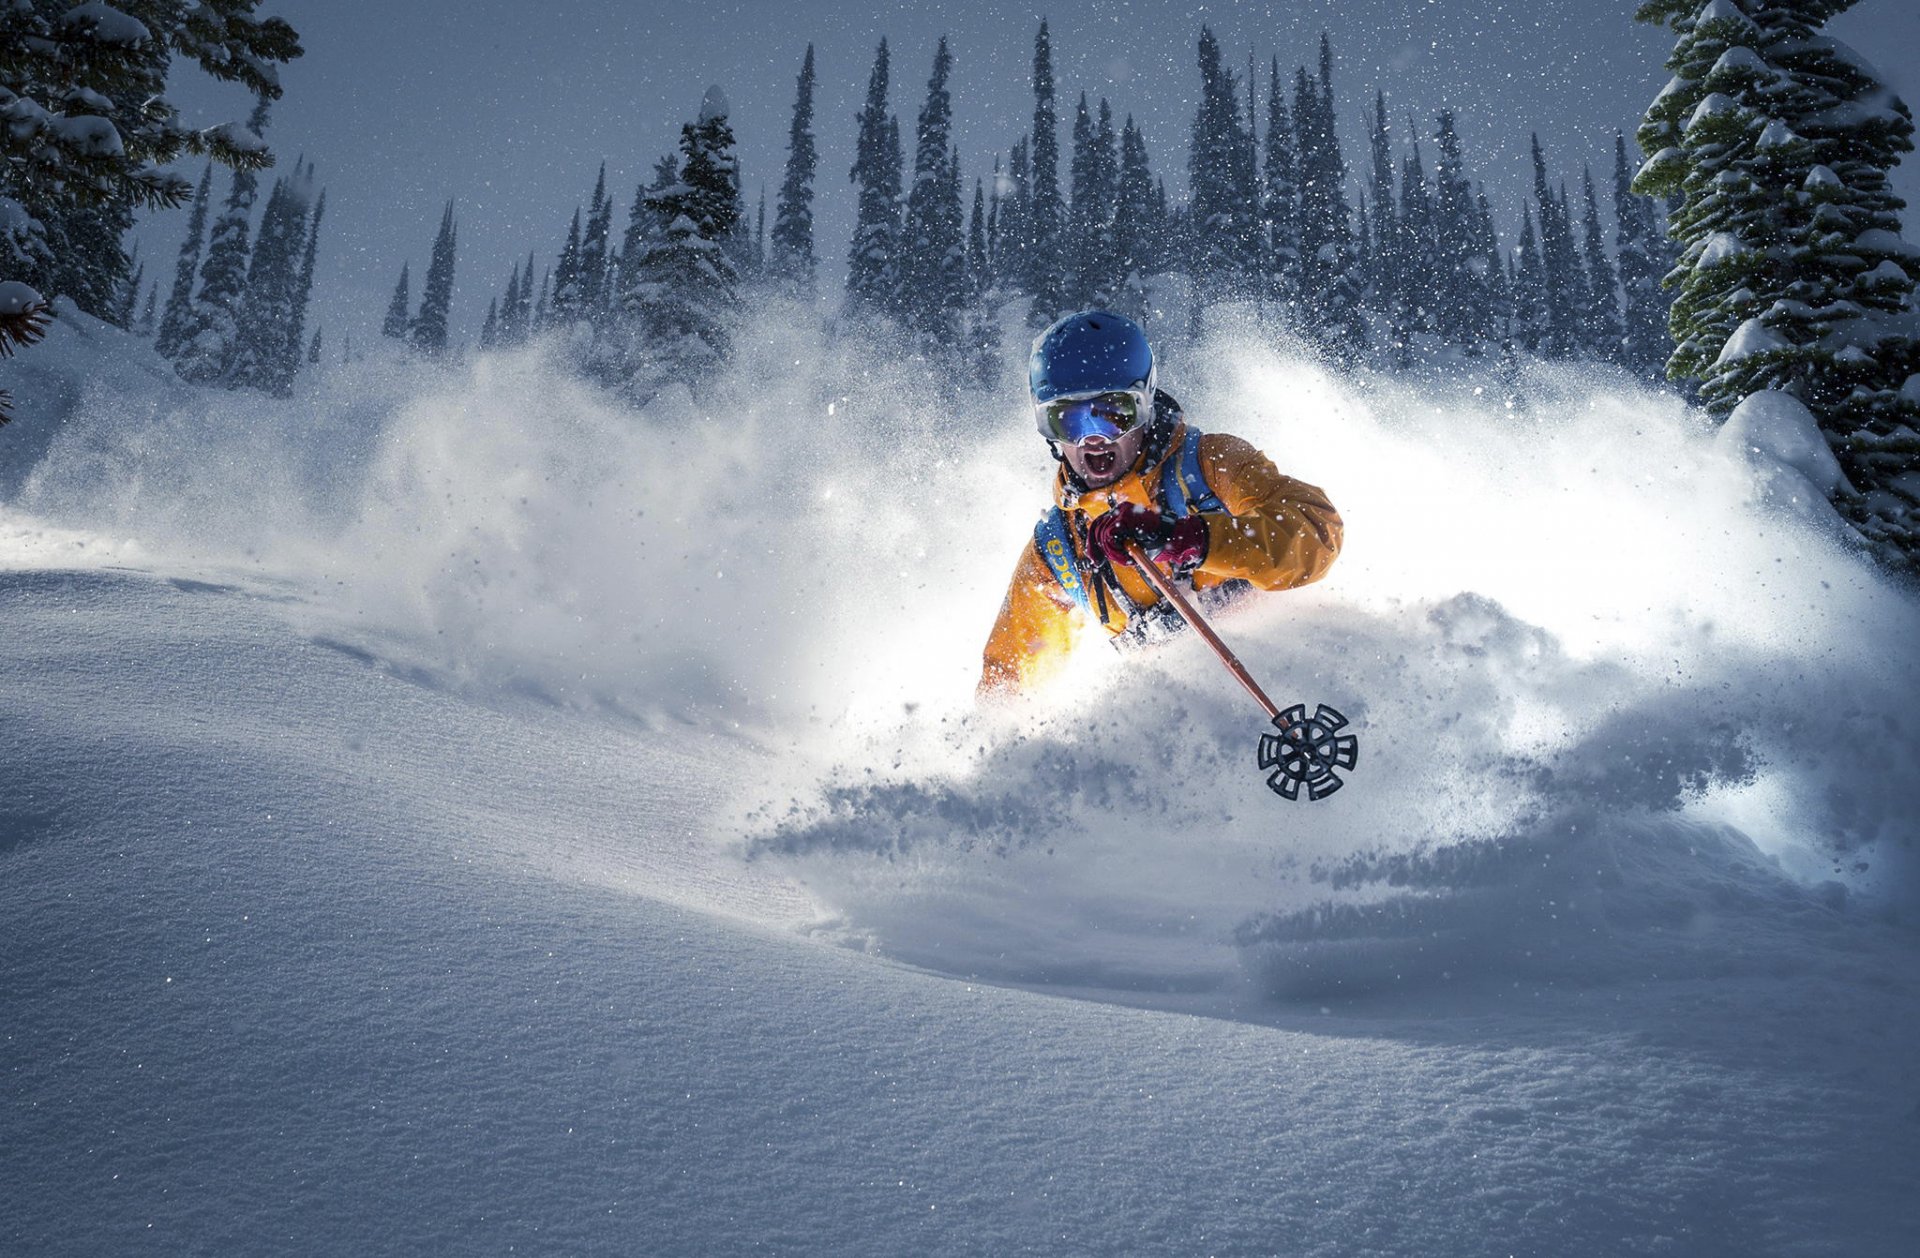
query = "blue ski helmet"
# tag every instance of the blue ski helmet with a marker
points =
(1086, 355)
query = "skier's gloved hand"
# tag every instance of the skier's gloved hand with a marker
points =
(1181, 543)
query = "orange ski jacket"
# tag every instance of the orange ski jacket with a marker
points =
(1272, 532)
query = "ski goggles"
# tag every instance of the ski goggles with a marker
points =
(1108, 415)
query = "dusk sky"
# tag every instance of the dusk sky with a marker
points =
(508, 107)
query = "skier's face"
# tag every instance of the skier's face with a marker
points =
(1099, 462)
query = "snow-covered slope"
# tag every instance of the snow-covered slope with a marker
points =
(435, 808)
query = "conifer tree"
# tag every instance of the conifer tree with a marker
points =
(873, 278)
(1332, 282)
(1603, 332)
(1386, 258)
(1458, 290)
(177, 319)
(592, 279)
(685, 297)
(565, 304)
(1010, 257)
(933, 277)
(395, 324)
(1280, 201)
(1562, 290)
(207, 349)
(1795, 278)
(1529, 286)
(1046, 214)
(1489, 318)
(1094, 278)
(490, 329)
(1224, 196)
(791, 259)
(1644, 343)
(266, 305)
(979, 261)
(1136, 231)
(428, 331)
(302, 297)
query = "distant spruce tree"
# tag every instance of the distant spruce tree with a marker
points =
(790, 256)
(1637, 243)
(1529, 285)
(566, 302)
(428, 331)
(592, 277)
(1093, 278)
(873, 258)
(1010, 256)
(207, 350)
(1386, 259)
(933, 260)
(1136, 230)
(1224, 198)
(1489, 321)
(685, 298)
(1419, 245)
(1046, 212)
(1280, 202)
(1458, 287)
(177, 319)
(1602, 331)
(266, 303)
(1563, 288)
(1795, 278)
(395, 323)
(1332, 278)
(295, 331)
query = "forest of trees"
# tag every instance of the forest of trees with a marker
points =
(1756, 246)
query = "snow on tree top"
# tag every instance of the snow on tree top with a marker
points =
(1721, 11)
(714, 104)
(105, 24)
(1776, 135)
(1750, 338)
(16, 298)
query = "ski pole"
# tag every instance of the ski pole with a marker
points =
(1307, 750)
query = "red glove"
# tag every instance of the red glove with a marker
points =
(1181, 543)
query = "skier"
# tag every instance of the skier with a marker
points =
(1133, 471)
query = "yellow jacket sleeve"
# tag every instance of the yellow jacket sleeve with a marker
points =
(1034, 632)
(1277, 532)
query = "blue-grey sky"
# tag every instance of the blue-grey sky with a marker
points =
(508, 106)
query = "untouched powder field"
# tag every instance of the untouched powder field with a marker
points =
(450, 812)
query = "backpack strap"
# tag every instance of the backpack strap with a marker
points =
(1183, 486)
(1054, 540)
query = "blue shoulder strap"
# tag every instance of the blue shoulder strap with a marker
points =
(1055, 544)
(1183, 486)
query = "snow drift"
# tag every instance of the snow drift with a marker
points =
(1621, 708)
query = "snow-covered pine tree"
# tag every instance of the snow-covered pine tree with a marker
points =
(873, 258)
(90, 131)
(395, 323)
(1795, 277)
(1332, 282)
(565, 304)
(1280, 202)
(791, 259)
(428, 331)
(1459, 293)
(1223, 196)
(1602, 333)
(685, 296)
(266, 304)
(592, 279)
(1389, 289)
(1010, 256)
(1046, 211)
(177, 319)
(1489, 319)
(1419, 248)
(932, 261)
(1095, 277)
(302, 297)
(207, 351)
(1644, 341)
(979, 261)
(1563, 294)
(1529, 285)
(1136, 233)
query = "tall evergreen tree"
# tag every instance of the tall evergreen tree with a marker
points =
(177, 319)
(566, 302)
(1419, 252)
(266, 306)
(1562, 288)
(933, 264)
(1015, 235)
(302, 297)
(1046, 213)
(593, 249)
(1136, 233)
(428, 331)
(1529, 284)
(1332, 282)
(1602, 330)
(1224, 196)
(1795, 277)
(1644, 343)
(1280, 200)
(873, 277)
(207, 349)
(685, 298)
(791, 261)
(1386, 260)
(1093, 278)
(1490, 316)
(395, 323)
(1458, 288)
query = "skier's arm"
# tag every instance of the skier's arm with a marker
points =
(1033, 634)
(1277, 533)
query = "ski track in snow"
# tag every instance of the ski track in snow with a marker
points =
(422, 830)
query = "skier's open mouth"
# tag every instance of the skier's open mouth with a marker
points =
(1100, 460)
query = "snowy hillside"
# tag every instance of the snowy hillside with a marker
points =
(447, 812)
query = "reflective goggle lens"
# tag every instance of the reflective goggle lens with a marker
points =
(1073, 420)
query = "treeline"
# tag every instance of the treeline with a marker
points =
(1417, 266)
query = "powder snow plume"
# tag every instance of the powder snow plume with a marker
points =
(1626, 699)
